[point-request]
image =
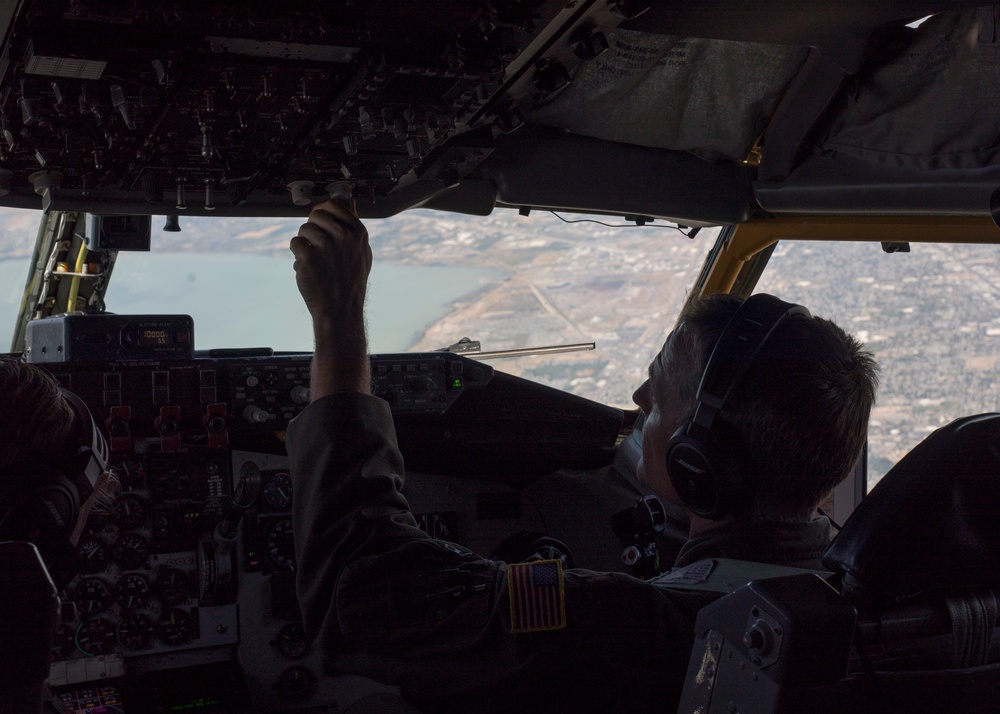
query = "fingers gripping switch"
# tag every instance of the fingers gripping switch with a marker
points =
(341, 190)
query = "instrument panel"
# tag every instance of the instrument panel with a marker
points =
(194, 568)
(185, 594)
(208, 107)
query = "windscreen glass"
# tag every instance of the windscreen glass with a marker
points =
(931, 317)
(18, 229)
(505, 280)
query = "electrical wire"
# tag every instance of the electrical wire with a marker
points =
(691, 232)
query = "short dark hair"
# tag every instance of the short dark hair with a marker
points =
(36, 423)
(800, 411)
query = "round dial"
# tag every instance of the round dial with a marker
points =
(132, 591)
(291, 641)
(296, 684)
(92, 595)
(91, 555)
(172, 586)
(95, 636)
(174, 627)
(132, 474)
(278, 492)
(63, 642)
(135, 631)
(280, 547)
(130, 551)
(130, 512)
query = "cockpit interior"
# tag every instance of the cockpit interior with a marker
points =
(802, 148)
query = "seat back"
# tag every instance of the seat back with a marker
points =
(930, 523)
(794, 644)
(27, 620)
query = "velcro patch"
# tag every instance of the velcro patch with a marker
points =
(537, 596)
(689, 575)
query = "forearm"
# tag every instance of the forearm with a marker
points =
(347, 501)
(340, 362)
(332, 263)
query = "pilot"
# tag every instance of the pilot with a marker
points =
(53, 474)
(53, 465)
(750, 450)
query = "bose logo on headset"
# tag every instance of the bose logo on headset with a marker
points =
(690, 467)
(695, 475)
(40, 501)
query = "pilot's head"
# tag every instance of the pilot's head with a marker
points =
(53, 464)
(791, 429)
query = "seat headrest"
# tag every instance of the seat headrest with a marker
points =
(932, 521)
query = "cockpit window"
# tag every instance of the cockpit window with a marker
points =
(506, 280)
(235, 277)
(931, 316)
(18, 229)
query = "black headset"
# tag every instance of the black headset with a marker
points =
(704, 481)
(40, 500)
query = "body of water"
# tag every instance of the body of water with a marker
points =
(251, 300)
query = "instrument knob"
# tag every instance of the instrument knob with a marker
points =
(255, 415)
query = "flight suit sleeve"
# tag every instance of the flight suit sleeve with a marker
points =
(384, 600)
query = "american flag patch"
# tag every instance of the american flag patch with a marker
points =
(537, 597)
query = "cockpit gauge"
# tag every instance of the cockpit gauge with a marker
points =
(95, 636)
(278, 492)
(130, 551)
(92, 595)
(172, 586)
(91, 555)
(132, 474)
(135, 631)
(174, 627)
(291, 641)
(279, 546)
(130, 512)
(132, 591)
(63, 642)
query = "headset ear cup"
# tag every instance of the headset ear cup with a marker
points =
(732, 463)
(45, 516)
(693, 476)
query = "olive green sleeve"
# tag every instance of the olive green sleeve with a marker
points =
(384, 600)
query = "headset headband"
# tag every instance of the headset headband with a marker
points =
(89, 458)
(692, 465)
(750, 327)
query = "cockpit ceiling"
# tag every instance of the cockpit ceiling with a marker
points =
(701, 112)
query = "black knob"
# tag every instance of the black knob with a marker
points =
(296, 684)
(395, 397)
